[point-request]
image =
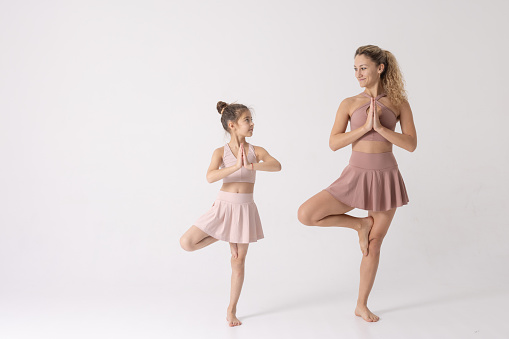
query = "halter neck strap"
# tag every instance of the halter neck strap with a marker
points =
(378, 97)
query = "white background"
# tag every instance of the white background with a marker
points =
(108, 123)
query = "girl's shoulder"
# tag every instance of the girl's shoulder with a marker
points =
(259, 150)
(218, 152)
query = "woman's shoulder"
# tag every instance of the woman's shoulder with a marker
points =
(402, 108)
(354, 100)
(350, 104)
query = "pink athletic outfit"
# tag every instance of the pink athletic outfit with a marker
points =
(234, 216)
(371, 181)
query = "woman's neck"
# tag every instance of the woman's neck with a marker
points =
(375, 90)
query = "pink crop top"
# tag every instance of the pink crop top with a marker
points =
(243, 174)
(387, 119)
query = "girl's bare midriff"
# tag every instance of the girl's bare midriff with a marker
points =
(238, 187)
(371, 146)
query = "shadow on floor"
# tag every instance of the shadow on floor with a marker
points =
(302, 302)
(444, 298)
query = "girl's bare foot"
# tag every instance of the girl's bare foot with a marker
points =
(365, 228)
(364, 312)
(235, 250)
(232, 318)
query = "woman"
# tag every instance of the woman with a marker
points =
(372, 180)
(233, 217)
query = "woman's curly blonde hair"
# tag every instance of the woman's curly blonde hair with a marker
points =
(391, 77)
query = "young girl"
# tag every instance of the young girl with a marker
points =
(372, 180)
(233, 217)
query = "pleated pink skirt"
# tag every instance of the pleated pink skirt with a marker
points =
(233, 218)
(371, 182)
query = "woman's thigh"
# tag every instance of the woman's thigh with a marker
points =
(320, 206)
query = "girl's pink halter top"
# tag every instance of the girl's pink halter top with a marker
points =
(243, 174)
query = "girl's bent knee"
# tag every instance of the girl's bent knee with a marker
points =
(186, 244)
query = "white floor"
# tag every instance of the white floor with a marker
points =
(432, 310)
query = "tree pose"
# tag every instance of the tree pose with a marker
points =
(371, 181)
(233, 217)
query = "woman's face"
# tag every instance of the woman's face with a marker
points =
(245, 125)
(366, 71)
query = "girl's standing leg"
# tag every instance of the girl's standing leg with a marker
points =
(369, 264)
(195, 238)
(239, 252)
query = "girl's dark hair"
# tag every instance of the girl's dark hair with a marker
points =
(231, 112)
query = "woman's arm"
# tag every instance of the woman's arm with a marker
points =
(214, 173)
(407, 139)
(269, 163)
(338, 137)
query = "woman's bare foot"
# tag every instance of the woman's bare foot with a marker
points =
(364, 312)
(232, 318)
(365, 228)
(235, 250)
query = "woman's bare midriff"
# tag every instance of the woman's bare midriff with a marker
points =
(372, 146)
(238, 187)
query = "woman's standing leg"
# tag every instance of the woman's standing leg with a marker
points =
(195, 238)
(239, 252)
(369, 264)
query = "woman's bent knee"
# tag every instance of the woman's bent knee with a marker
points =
(304, 215)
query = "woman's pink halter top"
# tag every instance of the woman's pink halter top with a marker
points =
(243, 174)
(387, 119)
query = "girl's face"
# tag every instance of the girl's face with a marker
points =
(244, 126)
(366, 71)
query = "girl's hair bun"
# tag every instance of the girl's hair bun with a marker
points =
(221, 106)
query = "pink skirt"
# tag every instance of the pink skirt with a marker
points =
(233, 218)
(371, 181)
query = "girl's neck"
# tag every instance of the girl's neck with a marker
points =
(237, 140)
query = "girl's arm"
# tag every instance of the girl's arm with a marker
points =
(338, 137)
(407, 139)
(269, 163)
(214, 173)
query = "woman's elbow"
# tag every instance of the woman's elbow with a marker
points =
(412, 147)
